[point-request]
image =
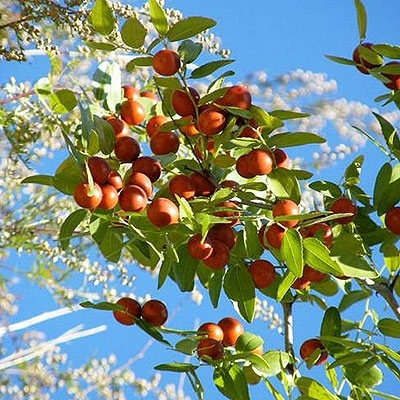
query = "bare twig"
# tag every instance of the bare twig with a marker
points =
(288, 332)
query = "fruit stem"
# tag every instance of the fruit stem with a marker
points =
(288, 334)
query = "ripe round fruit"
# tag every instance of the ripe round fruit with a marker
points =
(132, 112)
(322, 231)
(164, 143)
(182, 186)
(162, 212)
(309, 346)
(126, 149)
(211, 331)
(203, 185)
(312, 275)
(260, 162)
(82, 198)
(197, 249)
(262, 272)
(154, 123)
(300, 283)
(183, 104)
(219, 256)
(237, 96)
(119, 126)
(274, 236)
(211, 348)
(392, 220)
(362, 64)
(344, 205)
(109, 197)
(155, 312)
(148, 166)
(232, 329)
(166, 62)
(115, 179)
(231, 215)
(394, 83)
(132, 198)
(224, 233)
(286, 207)
(141, 180)
(242, 167)
(281, 158)
(99, 169)
(130, 93)
(211, 121)
(131, 309)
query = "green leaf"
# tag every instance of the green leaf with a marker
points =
(313, 389)
(389, 327)
(176, 367)
(265, 120)
(239, 287)
(359, 374)
(46, 180)
(62, 101)
(288, 139)
(188, 27)
(111, 244)
(250, 240)
(285, 285)
(105, 134)
(276, 360)
(101, 46)
(104, 305)
(391, 256)
(340, 60)
(145, 61)
(133, 33)
(248, 342)
(113, 91)
(215, 286)
(184, 270)
(170, 83)
(352, 172)
(326, 188)
(102, 17)
(207, 69)
(332, 326)
(151, 330)
(158, 17)
(69, 225)
(316, 255)
(387, 50)
(211, 96)
(186, 346)
(67, 176)
(361, 19)
(351, 358)
(387, 188)
(288, 114)
(389, 132)
(353, 297)
(231, 382)
(283, 184)
(189, 51)
(292, 252)
(354, 266)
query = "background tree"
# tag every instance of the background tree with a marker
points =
(64, 111)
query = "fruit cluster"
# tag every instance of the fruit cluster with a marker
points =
(153, 311)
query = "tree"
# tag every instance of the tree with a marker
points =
(185, 175)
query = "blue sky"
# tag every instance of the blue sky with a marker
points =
(275, 36)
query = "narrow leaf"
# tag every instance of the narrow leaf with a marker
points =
(361, 19)
(207, 69)
(46, 180)
(188, 27)
(292, 252)
(69, 225)
(158, 17)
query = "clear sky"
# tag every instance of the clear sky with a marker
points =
(275, 36)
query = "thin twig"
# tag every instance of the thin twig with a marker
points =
(288, 333)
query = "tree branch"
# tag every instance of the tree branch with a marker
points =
(288, 332)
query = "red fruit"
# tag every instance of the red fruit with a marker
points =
(163, 143)
(182, 186)
(132, 112)
(82, 197)
(231, 215)
(149, 95)
(131, 309)
(322, 231)
(281, 158)
(361, 62)
(211, 331)
(109, 197)
(119, 126)
(224, 233)
(312, 275)
(203, 185)
(392, 220)
(232, 329)
(242, 167)
(229, 184)
(141, 180)
(114, 179)
(211, 121)
(249, 132)
(154, 123)
(155, 312)
(130, 93)
(262, 272)
(132, 198)
(183, 104)
(300, 283)
(274, 236)
(219, 256)
(286, 207)
(126, 149)
(394, 83)
(260, 162)
(197, 249)
(162, 212)
(148, 166)
(344, 205)
(237, 96)
(309, 346)
(189, 129)
(99, 169)
(166, 62)
(211, 348)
